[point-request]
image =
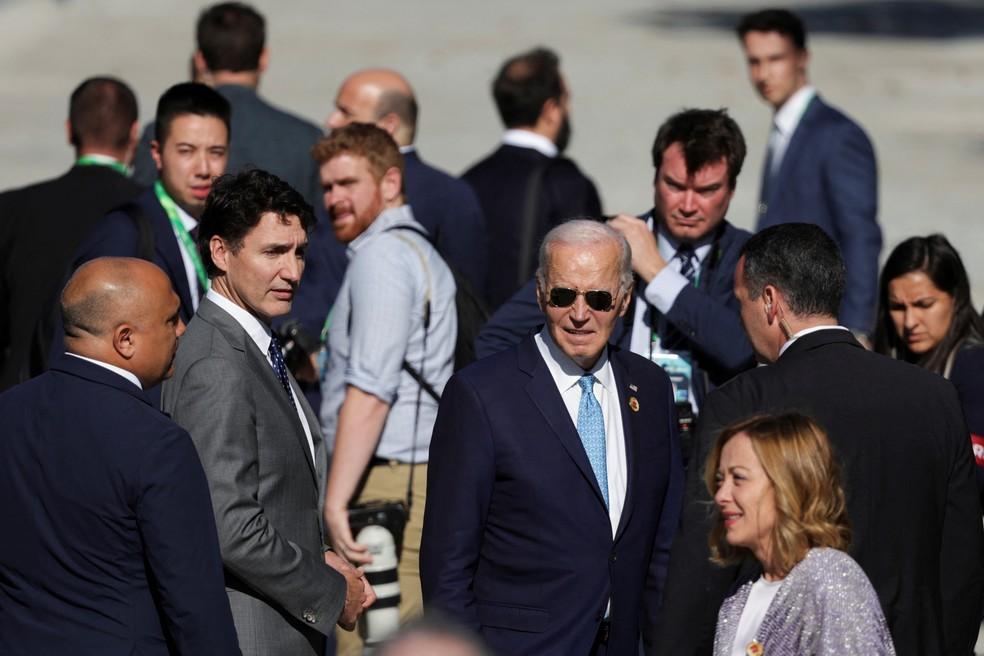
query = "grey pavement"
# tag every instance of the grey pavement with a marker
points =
(629, 63)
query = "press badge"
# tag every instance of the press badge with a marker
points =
(678, 366)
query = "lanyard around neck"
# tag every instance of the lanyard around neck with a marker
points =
(184, 237)
(108, 162)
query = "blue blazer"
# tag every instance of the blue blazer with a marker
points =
(110, 546)
(829, 177)
(517, 542)
(707, 317)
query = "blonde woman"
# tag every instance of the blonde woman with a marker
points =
(778, 497)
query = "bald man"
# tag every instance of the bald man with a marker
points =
(446, 206)
(110, 546)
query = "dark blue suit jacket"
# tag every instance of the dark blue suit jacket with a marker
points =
(517, 542)
(829, 177)
(500, 181)
(110, 544)
(448, 208)
(707, 318)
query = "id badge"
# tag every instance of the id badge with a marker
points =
(678, 367)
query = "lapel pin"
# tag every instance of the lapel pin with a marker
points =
(634, 403)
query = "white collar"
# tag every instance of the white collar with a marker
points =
(407, 149)
(565, 371)
(401, 214)
(668, 246)
(788, 116)
(188, 221)
(807, 331)
(129, 375)
(258, 331)
(526, 139)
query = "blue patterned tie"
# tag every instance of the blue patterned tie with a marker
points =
(688, 260)
(591, 428)
(279, 368)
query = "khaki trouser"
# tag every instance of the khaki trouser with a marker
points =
(388, 482)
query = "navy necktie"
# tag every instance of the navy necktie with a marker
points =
(279, 368)
(688, 262)
(591, 428)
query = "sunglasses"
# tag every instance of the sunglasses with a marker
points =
(598, 300)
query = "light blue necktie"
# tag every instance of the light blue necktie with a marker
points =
(591, 428)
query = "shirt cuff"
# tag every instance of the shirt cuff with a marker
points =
(663, 289)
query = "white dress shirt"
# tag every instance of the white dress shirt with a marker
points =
(129, 375)
(807, 331)
(566, 374)
(259, 332)
(189, 224)
(785, 121)
(527, 139)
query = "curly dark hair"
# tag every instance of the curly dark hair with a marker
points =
(238, 202)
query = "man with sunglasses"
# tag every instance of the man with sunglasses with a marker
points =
(555, 477)
(684, 316)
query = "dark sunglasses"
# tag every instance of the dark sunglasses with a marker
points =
(596, 299)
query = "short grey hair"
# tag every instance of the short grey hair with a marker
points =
(585, 232)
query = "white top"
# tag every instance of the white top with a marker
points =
(807, 331)
(752, 615)
(189, 224)
(566, 374)
(129, 375)
(527, 139)
(785, 121)
(259, 332)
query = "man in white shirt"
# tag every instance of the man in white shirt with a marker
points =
(820, 165)
(257, 437)
(555, 473)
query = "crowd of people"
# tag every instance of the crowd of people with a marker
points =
(271, 389)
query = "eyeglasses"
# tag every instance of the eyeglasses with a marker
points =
(596, 299)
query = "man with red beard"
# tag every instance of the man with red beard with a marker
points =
(391, 337)
(192, 126)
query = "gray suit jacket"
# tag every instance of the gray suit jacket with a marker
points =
(266, 491)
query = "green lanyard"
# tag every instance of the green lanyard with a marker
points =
(101, 160)
(184, 237)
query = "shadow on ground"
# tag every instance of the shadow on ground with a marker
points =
(925, 19)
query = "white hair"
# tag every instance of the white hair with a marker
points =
(585, 232)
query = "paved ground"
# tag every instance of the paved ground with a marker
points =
(630, 63)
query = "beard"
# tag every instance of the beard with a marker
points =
(563, 138)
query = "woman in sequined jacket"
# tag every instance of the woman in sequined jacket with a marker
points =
(778, 498)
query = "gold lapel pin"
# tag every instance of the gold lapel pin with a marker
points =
(754, 648)
(634, 403)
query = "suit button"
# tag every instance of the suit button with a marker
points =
(309, 617)
(612, 557)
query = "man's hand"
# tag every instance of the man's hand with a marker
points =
(359, 595)
(646, 260)
(340, 534)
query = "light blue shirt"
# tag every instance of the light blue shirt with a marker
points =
(378, 322)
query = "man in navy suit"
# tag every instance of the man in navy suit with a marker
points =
(526, 186)
(110, 546)
(681, 314)
(192, 149)
(820, 166)
(555, 479)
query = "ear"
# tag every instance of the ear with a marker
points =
(390, 123)
(623, 305)
(201, 68)
(540, 298)
(68, 132)
(551, 112)
(803, 61)
(155, 153)
(220, 252)
(391, 185)
(770, 303)
(124, 341)
(264, 61)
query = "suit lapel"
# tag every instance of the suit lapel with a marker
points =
(796, 144)
(631, 431)
(166, 245)
(261, 368)
(544, 394)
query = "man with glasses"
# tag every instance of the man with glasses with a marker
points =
(555, 476)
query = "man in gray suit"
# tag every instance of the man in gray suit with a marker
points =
(255, 433)
(232, 56)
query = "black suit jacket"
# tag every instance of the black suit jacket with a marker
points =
(706, 318)
(40, 227)
(110, 546)
(907, 469)
(500, 181)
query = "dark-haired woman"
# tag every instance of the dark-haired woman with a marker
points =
(926, 317)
